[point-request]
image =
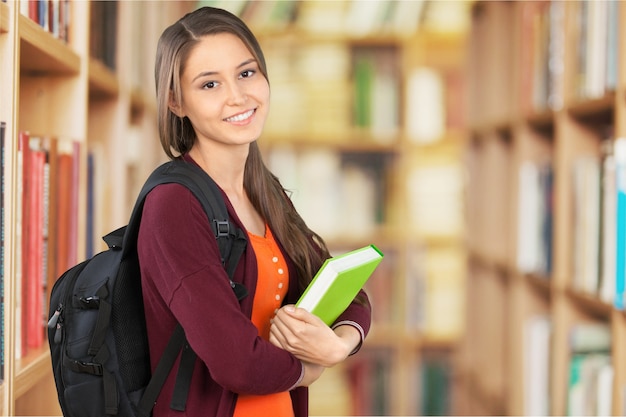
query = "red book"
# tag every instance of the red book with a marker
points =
(63, 198)
(72, 258)
(23, 242)
(34, 277)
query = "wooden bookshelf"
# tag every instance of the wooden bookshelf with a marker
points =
(54, 89)
(545, 106)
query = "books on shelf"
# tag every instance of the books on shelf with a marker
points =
(103, 32)
(52, 15)
(599, 232)
(425, 110)
(586, 253)
(377, 92)
(361, 18)
(337, 193)
(537, 342)
(436, 374)
(543, 55)
(590, 370)
(597, 44)
(338, 281)
(434, 193)
(311, 92)
(45, 239)
(370, 376)
(535, 216)
(435, 282)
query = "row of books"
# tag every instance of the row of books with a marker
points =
(354, 18)
(369, 376)
(360, 87)
(599, 228)
(103, 32)
(590, 372)
(599, 231)
(435, 282)
(339, 194)
(53, 16)
(595, 44)
(430, 382)
(590, 385)
(46, 229)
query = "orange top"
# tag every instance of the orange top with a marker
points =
(271, 289)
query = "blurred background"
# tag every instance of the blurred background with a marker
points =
(478, 144)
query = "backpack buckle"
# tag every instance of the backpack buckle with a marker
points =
(222, 228)
(85, 367)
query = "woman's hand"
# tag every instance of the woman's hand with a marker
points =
(309, 339)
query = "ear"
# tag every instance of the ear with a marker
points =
(175, 106)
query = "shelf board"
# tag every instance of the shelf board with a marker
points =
(542, 283)
(352, 140)
(598, 109)
(31, 369)
(4, 17)
(102, 81)
(41, 52)
(590, 303)
(542, 121)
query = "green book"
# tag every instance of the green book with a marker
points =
(338, 281)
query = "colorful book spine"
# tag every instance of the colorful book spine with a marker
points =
(2, 231)
(620, 243)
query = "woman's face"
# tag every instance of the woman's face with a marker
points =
(224, 94)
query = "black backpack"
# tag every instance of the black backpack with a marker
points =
(97, 329)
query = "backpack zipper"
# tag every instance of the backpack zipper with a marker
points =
(56, 322)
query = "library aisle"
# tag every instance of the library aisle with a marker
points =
(545, 200)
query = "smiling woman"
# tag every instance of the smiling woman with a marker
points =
(225, 98)
(256, 356)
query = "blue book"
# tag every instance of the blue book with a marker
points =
(620, 244)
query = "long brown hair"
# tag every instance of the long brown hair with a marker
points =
(270, 199)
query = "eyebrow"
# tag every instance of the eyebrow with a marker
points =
(207, 73)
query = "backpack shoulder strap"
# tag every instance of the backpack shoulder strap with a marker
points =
(204, 189)
(231, 242)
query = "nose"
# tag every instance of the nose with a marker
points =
(236, 94)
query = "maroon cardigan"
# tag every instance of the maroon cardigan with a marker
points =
(183, 280)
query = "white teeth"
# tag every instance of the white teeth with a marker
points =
(240, 117)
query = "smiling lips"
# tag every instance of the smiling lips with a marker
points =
(242, 117)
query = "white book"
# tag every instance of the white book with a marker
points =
(537, 335)
(529, 219)
(607, 280)
(425, 105)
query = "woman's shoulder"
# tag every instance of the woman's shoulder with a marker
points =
(171, 199)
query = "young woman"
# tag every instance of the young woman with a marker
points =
(256, 356)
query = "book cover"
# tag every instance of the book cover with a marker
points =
(338, 281)
(34, 254)
(63, 209)
(620, 226)
(2, 251)
(608, 233)
(22, 159)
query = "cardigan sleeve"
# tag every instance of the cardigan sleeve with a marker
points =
(185, 282)
(359, 315)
